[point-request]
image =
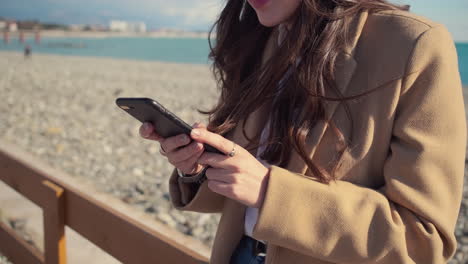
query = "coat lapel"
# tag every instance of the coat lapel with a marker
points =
(345, 67)
(232, 220)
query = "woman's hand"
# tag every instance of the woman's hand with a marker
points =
(241, 177)
(178, 149)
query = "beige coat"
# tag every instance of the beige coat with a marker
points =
(399, 185)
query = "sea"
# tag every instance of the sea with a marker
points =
(179, 50)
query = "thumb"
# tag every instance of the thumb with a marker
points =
(198, 125)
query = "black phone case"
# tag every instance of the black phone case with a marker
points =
(149, 110)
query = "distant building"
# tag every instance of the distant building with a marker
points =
(97, 27)
(124, 26)
(118, 25)
(8, 25)
(28, 25)
(137, 27)
(76, 27)
(12, 26)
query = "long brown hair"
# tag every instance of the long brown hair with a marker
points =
(320, 30)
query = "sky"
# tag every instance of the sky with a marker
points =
(191, 14)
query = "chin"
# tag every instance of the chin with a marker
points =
(268, 22)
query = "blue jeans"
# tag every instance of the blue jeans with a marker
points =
(244, 253)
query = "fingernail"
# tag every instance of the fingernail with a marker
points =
(196, 124)
(195, 132)
(198, 146)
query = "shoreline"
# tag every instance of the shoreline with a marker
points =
(113, 34)
(134, 60)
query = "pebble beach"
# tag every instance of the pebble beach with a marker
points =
(62, 110)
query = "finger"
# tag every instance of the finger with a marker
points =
(218, 161)
(147, 131)
(185, 153)
(220, 175)
(222, 188)
(155, 137)
(198, 125)
(213, 139)
(172, 143)
(191, 165)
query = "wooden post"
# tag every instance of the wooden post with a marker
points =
(54, 224)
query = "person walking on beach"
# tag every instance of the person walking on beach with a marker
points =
(344, 130)
(27, 52)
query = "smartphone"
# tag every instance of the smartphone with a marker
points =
(166, 123)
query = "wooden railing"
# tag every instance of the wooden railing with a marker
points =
(125, 238)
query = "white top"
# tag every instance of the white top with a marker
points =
(251, 214)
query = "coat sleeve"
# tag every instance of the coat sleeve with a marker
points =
(194, 197)
(412, 218)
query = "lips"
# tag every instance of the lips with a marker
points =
(258, 3)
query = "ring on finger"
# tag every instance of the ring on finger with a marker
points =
(232, 153)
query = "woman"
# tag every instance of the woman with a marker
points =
(344, 128)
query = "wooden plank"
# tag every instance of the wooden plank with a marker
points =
(22, 178)
(54, 225)
(129, 243)
(16, 249)
(121, 236)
